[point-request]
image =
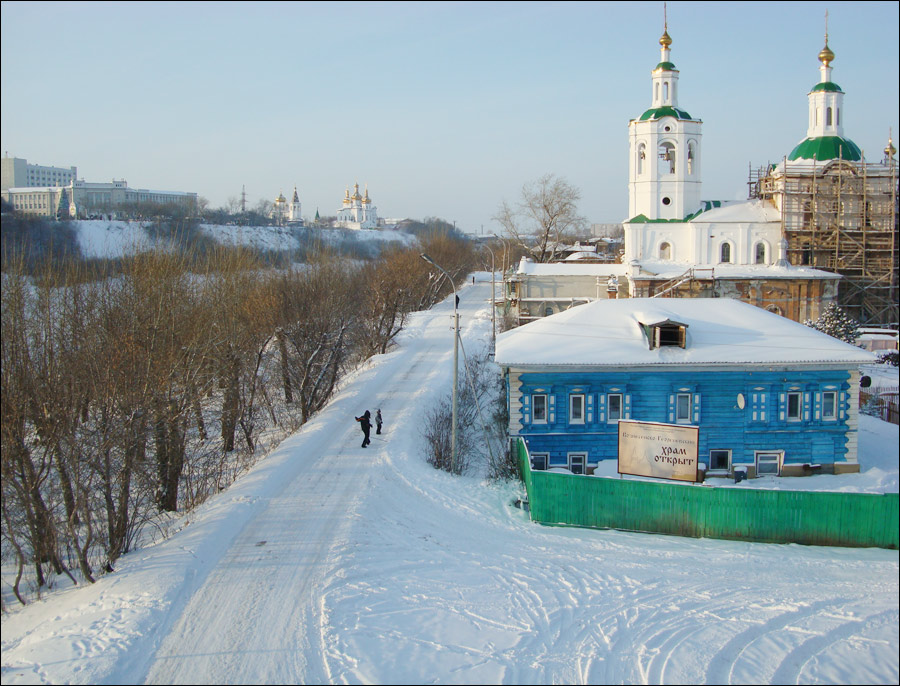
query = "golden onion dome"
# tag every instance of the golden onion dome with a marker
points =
(665, 40)
(890, 150)
(826, 56)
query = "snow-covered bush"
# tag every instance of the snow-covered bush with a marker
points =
(836, 323)
(892, 358)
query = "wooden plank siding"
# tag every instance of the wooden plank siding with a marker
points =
(648, 395)
(769, 516)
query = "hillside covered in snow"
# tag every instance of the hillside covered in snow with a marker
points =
(100, 238)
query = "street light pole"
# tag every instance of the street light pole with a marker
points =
(455, 360)
(493, 304)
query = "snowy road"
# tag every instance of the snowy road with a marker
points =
(328, 563)
(264, 597)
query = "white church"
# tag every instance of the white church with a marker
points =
(668, 222)
(678, 245)
(357, 211)
(284, 212)
(676, 241)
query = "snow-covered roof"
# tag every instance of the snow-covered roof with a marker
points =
(756, 211)
(722, 211)
(660, 269)
(582, 255)
(528, 268)
(719, 332)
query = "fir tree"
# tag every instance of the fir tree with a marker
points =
(836, 323)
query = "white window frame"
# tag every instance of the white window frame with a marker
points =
(576, 456)
(719, 470)
(546, 408)
(690, 406)
(765, 253)
(834, 406)
(787, 406)
(609, 417)
(769, 454)
(573, 397)
(723, 246)
(540, 456)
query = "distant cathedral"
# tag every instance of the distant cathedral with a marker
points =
(357, 211)
(284, 212)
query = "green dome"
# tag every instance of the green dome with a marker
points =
(668, 66)
(660, 112)
(826, 148)
(828, 86)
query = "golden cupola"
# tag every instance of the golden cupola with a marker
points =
(826, 56)
(665, 40)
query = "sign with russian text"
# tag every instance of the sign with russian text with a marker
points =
(661, 451)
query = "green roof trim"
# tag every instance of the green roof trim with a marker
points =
(706, 205)
(668, 66)
(660, 112)
(825, 148)
(828, 86)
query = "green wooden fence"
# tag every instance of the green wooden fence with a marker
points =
(808, 517)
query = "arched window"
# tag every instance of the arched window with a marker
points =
(656, 94)
(642, 153)
(665, 251)
(690, 157)
(666, 91)
(725, 253)
(837, 116)
(548, 311)
(760, 253)
(827, 116)
(666, 158)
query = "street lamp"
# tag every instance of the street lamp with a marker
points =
(493, 304)
(455, 359)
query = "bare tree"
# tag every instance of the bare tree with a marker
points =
(318, 320)
(545, 217)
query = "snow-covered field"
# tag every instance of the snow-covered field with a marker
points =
(329, 563)
(102, 238)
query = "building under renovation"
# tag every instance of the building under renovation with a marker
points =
(838, 212)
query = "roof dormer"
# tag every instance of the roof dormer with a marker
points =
(667, 333)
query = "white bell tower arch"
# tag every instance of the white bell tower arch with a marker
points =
(664, 148)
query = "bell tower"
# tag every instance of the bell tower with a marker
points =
(664, 149)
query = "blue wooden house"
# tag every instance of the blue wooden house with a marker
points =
(766, 393)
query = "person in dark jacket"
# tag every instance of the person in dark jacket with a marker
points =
(366, 424)
(378, 421)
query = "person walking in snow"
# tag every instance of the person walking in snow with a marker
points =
(366, 424)
(378, 421)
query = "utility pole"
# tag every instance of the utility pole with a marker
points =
(455, 360)
(493, 304)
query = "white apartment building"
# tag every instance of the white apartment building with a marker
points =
(17, 173)
(80, 199)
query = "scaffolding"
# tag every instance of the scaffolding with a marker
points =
(841, 216)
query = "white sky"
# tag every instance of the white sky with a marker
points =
(444, 109)
(328, 563)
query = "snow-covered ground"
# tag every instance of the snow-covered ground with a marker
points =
(329, 563)
(102, 238)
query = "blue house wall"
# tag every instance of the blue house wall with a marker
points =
(762, 425)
